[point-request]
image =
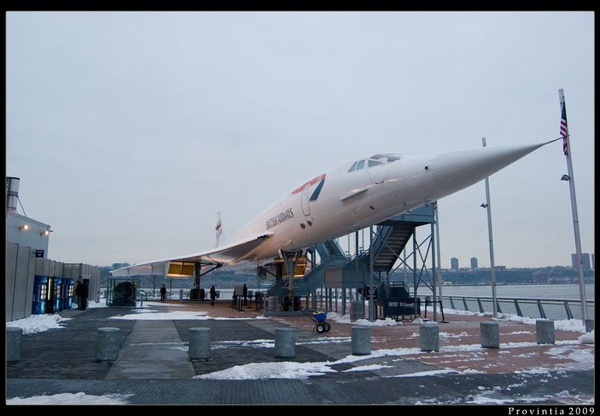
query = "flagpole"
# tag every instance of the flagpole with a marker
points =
(564, 130)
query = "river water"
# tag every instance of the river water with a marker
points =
(556, 291)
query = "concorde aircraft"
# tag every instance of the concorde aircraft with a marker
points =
(341, 200)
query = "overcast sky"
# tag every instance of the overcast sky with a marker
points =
(131, 130)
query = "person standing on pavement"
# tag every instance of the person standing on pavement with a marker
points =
(163, 293)
(81, 291)
(78, 292)
(213, 295)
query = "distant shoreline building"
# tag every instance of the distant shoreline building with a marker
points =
(474, 263)
(454, 263)
(585, 261)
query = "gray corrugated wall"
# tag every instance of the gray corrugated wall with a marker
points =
(21, 269)
(20, 275)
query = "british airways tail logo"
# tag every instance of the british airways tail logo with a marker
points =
(320, 180)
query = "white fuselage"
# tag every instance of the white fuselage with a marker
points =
(341, 200)
(349, 201)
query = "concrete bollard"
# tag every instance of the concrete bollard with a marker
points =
(589, 325)
(544, 331)
(108, 343)
(285, 342)
(361, 340)
(429, 335)
(199, 346)
(13, 344)
(490, 334)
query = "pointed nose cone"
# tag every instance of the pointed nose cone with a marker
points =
(457, 170)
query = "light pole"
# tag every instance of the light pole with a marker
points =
(488, 206)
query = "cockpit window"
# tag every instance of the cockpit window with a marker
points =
(375, 160)
(387, 157)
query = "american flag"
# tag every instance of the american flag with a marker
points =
(564, 130)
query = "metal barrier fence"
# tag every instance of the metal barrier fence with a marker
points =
(525, 307)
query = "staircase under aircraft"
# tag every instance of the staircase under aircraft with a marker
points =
(331, 268)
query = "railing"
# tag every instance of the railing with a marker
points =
(524, 307)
